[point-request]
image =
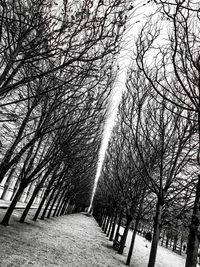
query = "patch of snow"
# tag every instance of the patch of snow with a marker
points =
(141, 251)
(71, 241)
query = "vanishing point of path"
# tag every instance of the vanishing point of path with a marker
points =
(71, 240)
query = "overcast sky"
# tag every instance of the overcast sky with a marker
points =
(137, 17)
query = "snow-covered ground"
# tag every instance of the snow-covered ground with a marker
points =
(71, 240)
(165, 257)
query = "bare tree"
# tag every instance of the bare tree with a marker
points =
(175, 70)
(162, 139)
(46, 36)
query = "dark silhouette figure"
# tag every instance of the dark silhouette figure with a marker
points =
(148, 236)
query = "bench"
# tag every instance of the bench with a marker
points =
(116, 243)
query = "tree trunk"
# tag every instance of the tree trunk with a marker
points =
(47, 204)
(124, 237)
(101, 220)
(104, 223)
(107, 223)
(110, 226)
(28, 206)
(65, 208)
(53, 203)
(58, 205)
(193, 238)
(61, 207)
(12, 206)
(181, 245)
(65, 204)
(34, 194)
(7, 183)
(156, 234)
(167, 242)
(175, 244)
(132, 241)
(118, 226)
(113, 227)
(41, 205)
(5, 166)
(64, 199)
(46, 193)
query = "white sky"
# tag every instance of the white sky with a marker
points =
(136, 19)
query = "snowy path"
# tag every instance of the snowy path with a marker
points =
(71, 240)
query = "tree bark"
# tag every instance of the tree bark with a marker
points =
(156, 234)
(7, 183)
(181, 245)
(132, 241)
(110, 226)
(167, 242)
(101, 218)
(41, 204)
(170, 244)
(47, 204)
(28, 206)
(124, 237)
(58, 205)
(61, 206)
(194, 233)
(12, 206)
(35, 192)
(63, 201)
(66, 207)
(118, 226)
(113, 227)
(104, 223)
(193, 238)
(53, 203)
(175, 244)
(46, 193)
(107, 223)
